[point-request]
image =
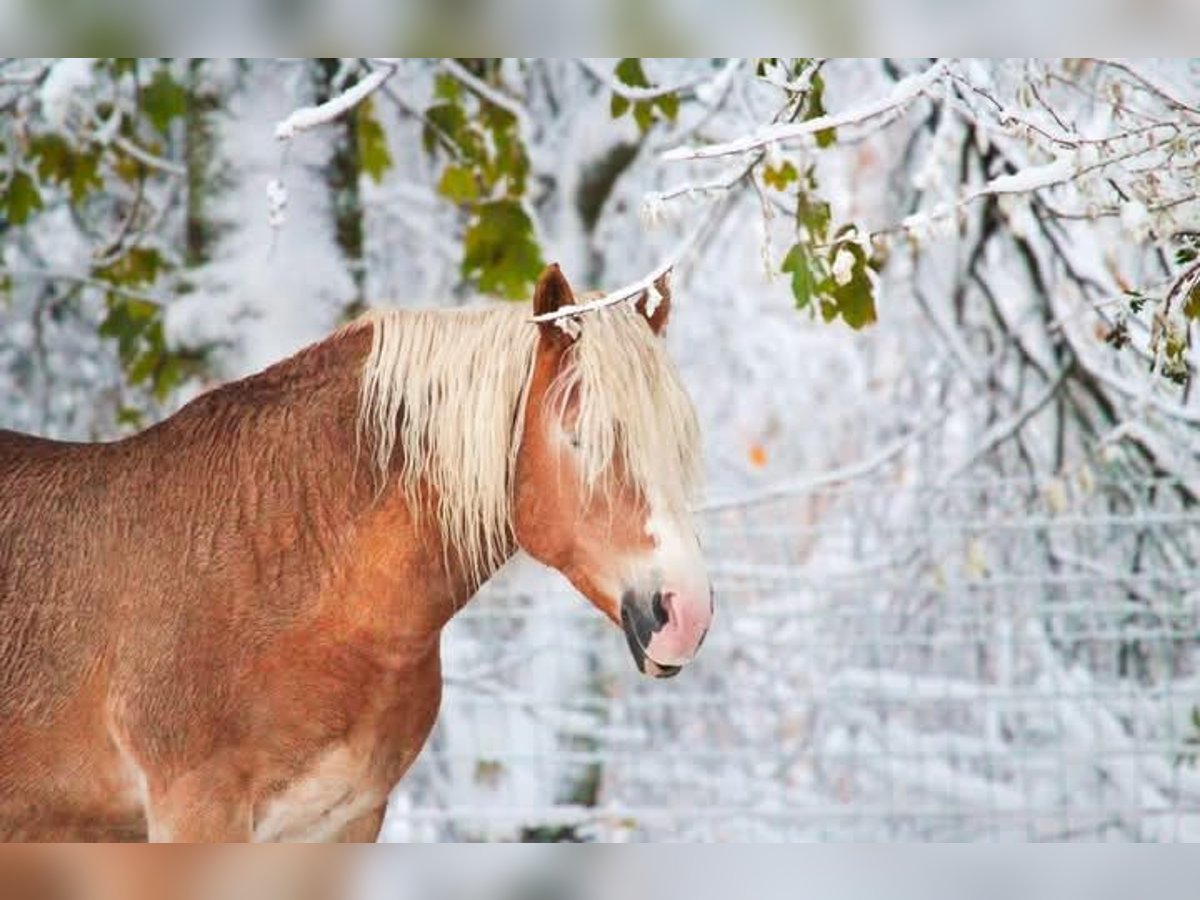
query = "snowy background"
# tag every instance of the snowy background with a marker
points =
(956, 549)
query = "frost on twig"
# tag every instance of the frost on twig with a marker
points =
(902, 93)
(651, 283)
(277, 198)
(311, 116)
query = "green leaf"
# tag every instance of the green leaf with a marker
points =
(129, 417)
(143, 367)
(815, 108)
(163, 99)
(140, 266)
(128, 321)
(447, 87)
(669, 104)
(458, 184)
(1191, 303)
(797, 263)
(168, 376)
(643, 114)
(629, 70)
(781, 177)
(855, 299)
(20, 198)
(442, 120)
(500, 253)
(374, 158)
(53, 154)
(60, 163)
(85, 176)
(814, 216)
(507, 158)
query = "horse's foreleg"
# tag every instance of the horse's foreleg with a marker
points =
(364, 829)
(201, 807)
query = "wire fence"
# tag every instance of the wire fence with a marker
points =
(999, 660)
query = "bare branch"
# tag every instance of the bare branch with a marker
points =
(809, 483)
(1152, 82)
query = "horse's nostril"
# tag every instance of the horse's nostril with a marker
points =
(659, 609)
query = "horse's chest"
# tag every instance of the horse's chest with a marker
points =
(341, 785)
(351, 777)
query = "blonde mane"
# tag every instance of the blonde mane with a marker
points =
(446, 390)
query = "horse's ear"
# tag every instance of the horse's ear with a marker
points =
(655, 304)
(551, 294)
(552, 291)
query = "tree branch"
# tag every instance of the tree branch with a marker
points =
(632, 93)
(308, 117)
(902, 93)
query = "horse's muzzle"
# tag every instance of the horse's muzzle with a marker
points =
(656, 623)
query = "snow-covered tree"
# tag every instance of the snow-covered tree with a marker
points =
(907, 272)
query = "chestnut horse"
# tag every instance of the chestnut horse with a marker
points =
(227, 627)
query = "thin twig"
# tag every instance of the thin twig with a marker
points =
(59, 275)
(636, 288)
(809, 483)
(634, 94)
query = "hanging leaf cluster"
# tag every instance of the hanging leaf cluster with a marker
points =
(832, 274)
(486, 175)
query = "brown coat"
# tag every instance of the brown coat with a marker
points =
(200, 610)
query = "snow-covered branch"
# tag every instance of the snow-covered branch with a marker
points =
(632, 93)
(655, 280)
(1152, 82)
(308, 117)
(490, 94)
(902, 93)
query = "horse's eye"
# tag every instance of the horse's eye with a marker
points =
(573, 438)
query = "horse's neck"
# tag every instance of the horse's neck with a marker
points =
(290, 437)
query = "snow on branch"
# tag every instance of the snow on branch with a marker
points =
(312, 116)
(633, 93)
(1152, 82)
(490, 94)
(654, 281)
(902, 93)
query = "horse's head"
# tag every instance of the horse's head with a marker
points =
(607, 460)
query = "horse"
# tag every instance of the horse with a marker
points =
(226, 627)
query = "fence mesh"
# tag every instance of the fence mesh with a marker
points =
(1009, 659)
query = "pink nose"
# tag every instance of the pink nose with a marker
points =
(680, 626)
